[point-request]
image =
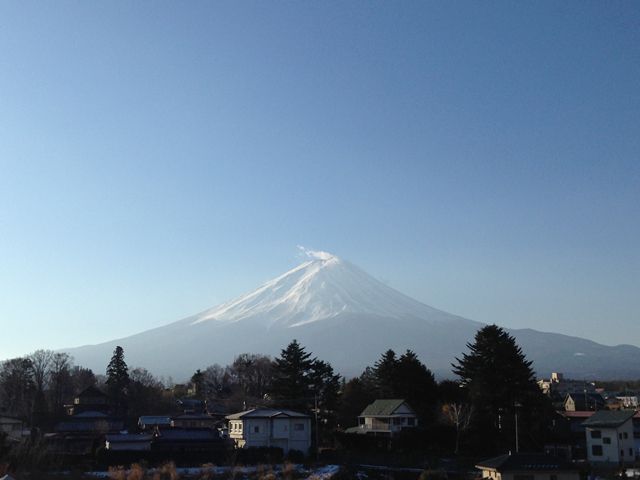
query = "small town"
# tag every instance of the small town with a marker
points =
(293, 417)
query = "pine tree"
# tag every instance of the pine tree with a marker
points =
(415, 383)
(291, 377)
(325, 386)
(498, 380)
(384, 371)
(407, 378)
(118, 380)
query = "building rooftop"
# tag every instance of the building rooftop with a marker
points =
(521, 462)
(608, 418)
(266, 413)
(382, 408)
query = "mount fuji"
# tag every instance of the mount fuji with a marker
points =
(346, 317)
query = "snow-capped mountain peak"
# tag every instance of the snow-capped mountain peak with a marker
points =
(347, 318)
(322, 287)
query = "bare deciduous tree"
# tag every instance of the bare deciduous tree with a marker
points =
(459, 415)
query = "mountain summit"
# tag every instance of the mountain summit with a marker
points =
(321, 288)
(344, 316)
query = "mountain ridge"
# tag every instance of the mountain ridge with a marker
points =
(347, 317)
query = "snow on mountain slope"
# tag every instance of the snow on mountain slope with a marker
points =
(321, 288)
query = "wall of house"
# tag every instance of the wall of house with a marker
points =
(617, 444)
(286, 433)
(257, 432)
(376, 423)
(300, 434)
(541, 476)
(128, 446)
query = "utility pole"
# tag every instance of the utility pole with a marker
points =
(315, 400)
(516, 405)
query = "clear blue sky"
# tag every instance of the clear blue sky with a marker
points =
(157, 158)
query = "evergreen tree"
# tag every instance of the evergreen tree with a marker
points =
(357, 393)
(325, 386)
(291, 385)
(384, 372)
(118, 380)
(415, 383)
(500, 384)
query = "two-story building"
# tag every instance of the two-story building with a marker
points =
(91, 399)
(584, 401)
(385, 417)
(527, 466)
(267, 427)
(609, 435)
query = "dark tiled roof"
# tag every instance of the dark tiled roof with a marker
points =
(608, 418)
(588, 401)
(90, 414)
(521, 462)
(382, 407)
(89, 426)
(123, 438)
(186, 435)
(194, 416)
(266, 413)
(154, 420)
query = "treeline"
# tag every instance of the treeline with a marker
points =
(36, 387)
(494, 389)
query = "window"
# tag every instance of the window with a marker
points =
(411, 421)
(596, 434)
(622, 453)
(606, 440)
(620, 436)
(256, 429)
(298, 427)
(397, 421)
(631, 452)
(625, 435)
(596, 450)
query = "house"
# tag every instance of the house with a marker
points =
(91, 399)
(195, 420)
(527, 466)
(385, 417)
(628, 401)
(149, 422)
(584, 401)
(267, 427)
(14, 428)
(82, 433)
(128, 443)
(91, 423)
(609, 436)
(547, 385)
(192, 405)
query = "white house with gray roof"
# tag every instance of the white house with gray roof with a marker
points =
(267, 427)
(610, 437)
(385, 417)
